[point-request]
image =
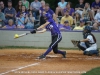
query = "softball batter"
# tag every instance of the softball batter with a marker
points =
(55, 33)
(88, 44)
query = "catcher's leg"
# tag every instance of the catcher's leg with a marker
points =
(82, 46)
(92, 50)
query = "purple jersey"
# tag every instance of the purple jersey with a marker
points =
(70, 12)
(10, 27)
(53, 27)
(95, 5)
(41, 8)
(65, 27)
(24, 14)
(51, 12)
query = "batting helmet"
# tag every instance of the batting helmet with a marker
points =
(48, 16)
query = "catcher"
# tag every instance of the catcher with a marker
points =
(88, 44)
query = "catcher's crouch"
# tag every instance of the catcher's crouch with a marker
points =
(88, 44)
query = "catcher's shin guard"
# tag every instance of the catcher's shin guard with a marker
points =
(80, 47)
(85, 52)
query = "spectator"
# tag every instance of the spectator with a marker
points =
(61, 6)
(95, 6)
(51, 12)
(42, 8)
(81, 26)
(68, 18)
(36, 7)
(23, 10)
(96, 25)
(79, 7)
(2, 6)
(19, 6)
(33, 13)
(71, 10)
(29, 21)
(21, 21)
(87, 14)
(2, 18)
(10, 12)
(26, 4)
(10, 25)
(77, 19)
(65, 26)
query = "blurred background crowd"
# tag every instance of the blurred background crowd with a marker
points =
(29, 15)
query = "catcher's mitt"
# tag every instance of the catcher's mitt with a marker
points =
(75, 42)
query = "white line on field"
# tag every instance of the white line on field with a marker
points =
(20, 68)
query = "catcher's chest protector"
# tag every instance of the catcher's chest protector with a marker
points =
(88, 43)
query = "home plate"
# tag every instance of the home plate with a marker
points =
(52, 56)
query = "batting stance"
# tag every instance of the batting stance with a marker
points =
(88, 44)
(55, 33)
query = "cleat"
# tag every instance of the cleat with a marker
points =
(64, 55)
(41, 57)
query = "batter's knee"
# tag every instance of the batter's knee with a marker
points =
(55, 51)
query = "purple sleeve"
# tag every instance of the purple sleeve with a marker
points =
(40, 8)
(50, 20)
(69, 28)
(64, 10)
(18, 14)
(51, 12)
(73, 10)
(60, 26)
(26, 12)
(93, 4)
(14, 26)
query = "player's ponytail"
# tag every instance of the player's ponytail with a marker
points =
(94, 38)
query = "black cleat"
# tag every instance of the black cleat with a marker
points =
(64, 55)
(41, 57)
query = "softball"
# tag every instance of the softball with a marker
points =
(16, 36)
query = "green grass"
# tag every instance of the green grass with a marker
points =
(95, 71)
(31, 47)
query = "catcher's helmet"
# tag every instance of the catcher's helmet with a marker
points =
(88, 29)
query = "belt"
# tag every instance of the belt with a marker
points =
(91, 43)
(55, 34)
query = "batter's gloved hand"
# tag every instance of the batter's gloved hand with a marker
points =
(33, 31)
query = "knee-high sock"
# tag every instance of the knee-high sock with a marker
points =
(60, 52)
(48, 51)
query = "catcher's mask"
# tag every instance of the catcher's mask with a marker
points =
(87, 29)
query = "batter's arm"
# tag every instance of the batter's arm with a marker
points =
(43, 26)
(42, 31)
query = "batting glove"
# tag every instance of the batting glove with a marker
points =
(33, 31)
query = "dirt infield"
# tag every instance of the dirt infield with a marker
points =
(24, 62)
